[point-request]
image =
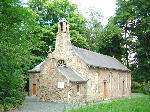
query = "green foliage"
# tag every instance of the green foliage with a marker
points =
(133, 17)
(16, 42)
(136, 104)
(111, 41)
(93, 29)
(49, 14)
(136, 87)
(146, 88)
(140, 87)
(78, 40)
(108, 40)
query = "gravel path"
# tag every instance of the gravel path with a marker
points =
(32, 105)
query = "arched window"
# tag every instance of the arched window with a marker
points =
(61, 63)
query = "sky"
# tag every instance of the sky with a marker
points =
(107, 7)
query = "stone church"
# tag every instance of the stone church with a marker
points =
(71, 74)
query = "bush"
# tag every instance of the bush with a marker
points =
(136, 87)
(11, 88)
(140, 87)
(136, 90)
(146, 88)
(1, 108)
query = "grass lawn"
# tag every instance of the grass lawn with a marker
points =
(135, 104)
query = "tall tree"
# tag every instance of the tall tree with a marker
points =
(93, 29)
(111, 41)
(108, 40)
(133, 16)
(49, 15)
(16, 24)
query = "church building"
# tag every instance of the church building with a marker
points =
(71, 74)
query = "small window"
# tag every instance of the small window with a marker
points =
(60, 84)
(61, 63)
(78, 88)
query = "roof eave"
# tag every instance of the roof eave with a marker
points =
(34, 71)
(78, 81)
(109, 68)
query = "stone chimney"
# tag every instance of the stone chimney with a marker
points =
(63, 42)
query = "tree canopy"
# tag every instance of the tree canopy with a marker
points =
(133, 17)
(50, 13)
(16, 23)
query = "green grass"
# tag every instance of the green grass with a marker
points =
(135, 104)
(136, 91)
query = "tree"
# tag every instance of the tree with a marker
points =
(111, 41)
(93, 29)
(108, 40)
(133, 16)
(16, 42)
(49, 15)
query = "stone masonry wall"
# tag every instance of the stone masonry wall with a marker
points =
(49, 79)
(96, 76)
(34, 78)
(63, 51)
(114, 84)
(77, 97)
(91, 91)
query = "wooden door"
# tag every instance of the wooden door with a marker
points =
(123, 92)
(34, 89)
(105, 90)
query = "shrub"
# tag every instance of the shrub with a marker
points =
(1, 108)
(136, 87)
(146, 88)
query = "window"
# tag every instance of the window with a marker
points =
(61, 63)
(60, 84)
(78, 88)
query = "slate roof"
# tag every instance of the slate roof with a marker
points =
(99, 60)
(93, 59)
(71, 75)
(36, 68)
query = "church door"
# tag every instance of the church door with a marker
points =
(34, 89)
(105, 96)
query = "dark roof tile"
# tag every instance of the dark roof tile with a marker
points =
(99, 60)
(71, 75)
